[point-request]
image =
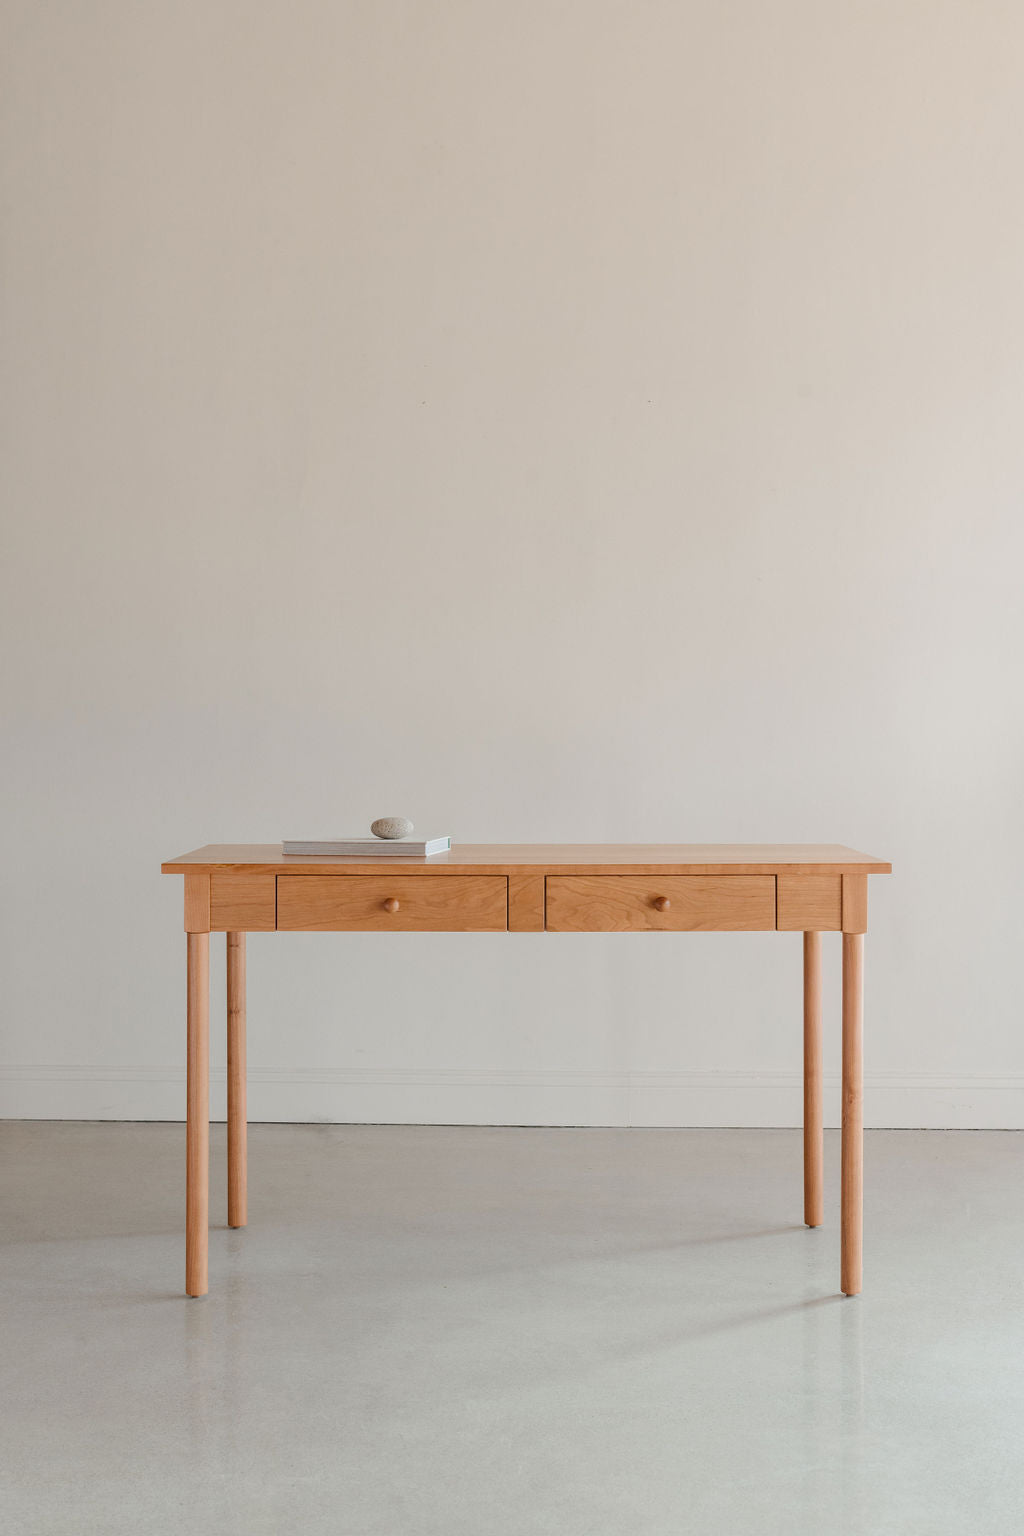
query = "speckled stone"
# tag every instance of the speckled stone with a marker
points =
(391, 826)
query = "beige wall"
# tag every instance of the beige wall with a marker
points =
(562, 420)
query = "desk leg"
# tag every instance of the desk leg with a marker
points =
(197, 1132)
(814, 1141)
(237, 1182)
(853, 1113)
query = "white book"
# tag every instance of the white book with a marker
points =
(368, 847)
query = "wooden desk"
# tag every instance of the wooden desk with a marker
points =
(520, 888)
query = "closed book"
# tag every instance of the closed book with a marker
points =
(368, 847)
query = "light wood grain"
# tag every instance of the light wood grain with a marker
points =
(852, 1195)
(814, 1138)
(810, 903)
(525, 887)
(525, 901)
(197, 902)
(557, 859)
(197, 1130)
(237, 1123)
(631, 904)
(359, 903)
(855, 904)
(242, 902)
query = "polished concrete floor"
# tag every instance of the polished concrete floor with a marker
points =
(472, 1332)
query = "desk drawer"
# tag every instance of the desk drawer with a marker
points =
(659, 903)
(407, 903)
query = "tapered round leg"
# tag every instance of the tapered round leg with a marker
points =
(197, 1131)
(853, 1113)
(237, 1176)
(814, 1140)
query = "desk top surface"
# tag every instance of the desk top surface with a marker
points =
(553, 858)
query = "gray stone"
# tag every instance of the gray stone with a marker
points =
(391, 826)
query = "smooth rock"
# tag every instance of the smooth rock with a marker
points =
(391, 826)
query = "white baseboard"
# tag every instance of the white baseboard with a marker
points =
(442, 1096)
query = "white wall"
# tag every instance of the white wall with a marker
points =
(565, 420)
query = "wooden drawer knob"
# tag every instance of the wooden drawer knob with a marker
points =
(391, 905)
(661, 903)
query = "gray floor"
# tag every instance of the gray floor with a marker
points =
(510, 1331)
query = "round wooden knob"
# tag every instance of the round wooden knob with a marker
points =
(661, 903)
(391, 905)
